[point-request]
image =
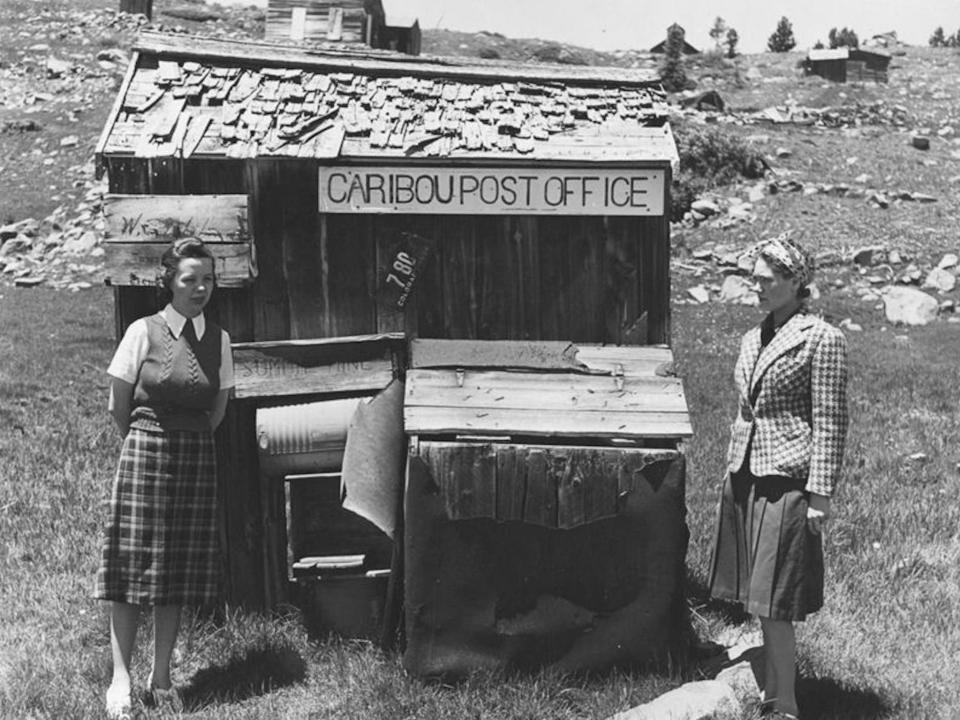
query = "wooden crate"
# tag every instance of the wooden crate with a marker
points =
(544, 509)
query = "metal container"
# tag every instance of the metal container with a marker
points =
(294, 439)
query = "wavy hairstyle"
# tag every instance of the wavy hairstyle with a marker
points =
(170, 262)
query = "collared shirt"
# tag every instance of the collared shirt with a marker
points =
(133, 347)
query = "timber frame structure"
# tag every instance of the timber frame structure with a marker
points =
(322, 181)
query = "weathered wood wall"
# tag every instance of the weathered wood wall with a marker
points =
(583, 279)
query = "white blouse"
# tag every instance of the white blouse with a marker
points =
(133, 347)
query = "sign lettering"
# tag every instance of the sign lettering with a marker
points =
(476, 191)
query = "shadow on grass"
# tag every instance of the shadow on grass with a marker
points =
(829, 700)
(256, 673)
(699, 595)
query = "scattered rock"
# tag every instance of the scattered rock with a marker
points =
(920, 142)
(699, 293)
(911, 275)
(745, 677)
(869, 255)
(738, 289)
(27, 281)
(848, 324)
(701, 700)
(909, 306)
(57, 68)
(948, 261)
(69, 141)
(940, 280)
(783, 152)
(879, 199)
(707, 208)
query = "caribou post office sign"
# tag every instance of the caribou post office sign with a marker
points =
(478, 191)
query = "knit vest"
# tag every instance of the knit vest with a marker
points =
(178, 379)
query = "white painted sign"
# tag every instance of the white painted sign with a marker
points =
(478, 191)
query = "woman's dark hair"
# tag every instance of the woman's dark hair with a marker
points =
(170, 261)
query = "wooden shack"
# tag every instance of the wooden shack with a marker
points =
(356, 203)
(343, 22)
(661, 47)
(844, 64)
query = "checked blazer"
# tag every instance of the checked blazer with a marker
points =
(792, 415)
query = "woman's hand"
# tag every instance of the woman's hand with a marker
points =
(818, 512)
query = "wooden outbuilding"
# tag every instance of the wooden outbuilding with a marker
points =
(661, 47)
(347, 22)
(844, 64)
(447, 283)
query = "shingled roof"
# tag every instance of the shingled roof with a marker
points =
(187, 97)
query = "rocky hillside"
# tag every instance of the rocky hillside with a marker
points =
(867, 174)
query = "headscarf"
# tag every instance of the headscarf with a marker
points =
(787, 257)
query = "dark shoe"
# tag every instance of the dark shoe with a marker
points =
(168, 700)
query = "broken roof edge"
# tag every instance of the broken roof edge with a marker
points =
(381, 62)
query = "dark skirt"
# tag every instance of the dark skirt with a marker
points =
(765, 557)
(160, 544)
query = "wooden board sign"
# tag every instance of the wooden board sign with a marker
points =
(304, 367)
(139, 228)
(479, 191)
(138, 263)
(164, 218)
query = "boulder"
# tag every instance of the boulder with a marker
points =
(879, 199)
(948, 261)
(745, 678)
(699, 293)
(737, 289)
(911, 275)
(909, 306)
(920, 142)
(940, 280)
(706, 208)
(701, 700)
(16, 245)
(57, 68)
(757, 192)
(869, 255)
(113, 55)
(849, 325)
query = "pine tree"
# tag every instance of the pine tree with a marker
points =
(782, 39)
(937, 39)
(718, 31)
(673, 74)
(732, 39)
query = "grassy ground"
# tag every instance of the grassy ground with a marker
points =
(886, 645)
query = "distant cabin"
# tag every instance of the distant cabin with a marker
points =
(346, 22)
(886, 40)
(661, 47)
(848, 64)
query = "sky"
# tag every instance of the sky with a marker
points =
(639, 24)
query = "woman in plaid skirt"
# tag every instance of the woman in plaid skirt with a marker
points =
(170, 379)
(786, 448)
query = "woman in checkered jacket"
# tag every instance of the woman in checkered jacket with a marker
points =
(783, 462)
(170, 378)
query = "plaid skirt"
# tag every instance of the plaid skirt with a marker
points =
(160, 543)
(764, 556)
